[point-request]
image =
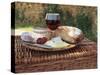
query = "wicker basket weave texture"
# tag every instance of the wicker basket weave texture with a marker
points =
(82, 56)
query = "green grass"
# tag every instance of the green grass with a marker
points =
(17, 26)
(23, 27)
(28, 29)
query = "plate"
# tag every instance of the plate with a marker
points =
(40, 47)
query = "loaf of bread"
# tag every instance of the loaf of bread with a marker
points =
(69, 34)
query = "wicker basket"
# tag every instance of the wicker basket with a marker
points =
(83, 56)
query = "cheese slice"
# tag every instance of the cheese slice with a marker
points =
(56, 43)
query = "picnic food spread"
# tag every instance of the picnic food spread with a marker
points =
(64, 36)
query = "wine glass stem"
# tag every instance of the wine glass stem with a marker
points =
(52, 33)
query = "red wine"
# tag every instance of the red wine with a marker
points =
(53, 20)
(53, 24)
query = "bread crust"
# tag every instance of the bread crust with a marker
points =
(69, 34)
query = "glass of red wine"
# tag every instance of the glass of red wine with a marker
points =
(52, 21)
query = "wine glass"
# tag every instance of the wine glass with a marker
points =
(52, 21)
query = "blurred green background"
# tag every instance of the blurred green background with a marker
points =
(28, 15)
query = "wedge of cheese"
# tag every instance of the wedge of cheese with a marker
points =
(56, 43)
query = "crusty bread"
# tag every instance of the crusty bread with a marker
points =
(69, 34)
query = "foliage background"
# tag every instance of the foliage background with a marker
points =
(33, 14)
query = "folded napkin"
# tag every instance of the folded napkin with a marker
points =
(27, 36)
